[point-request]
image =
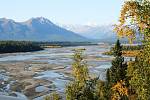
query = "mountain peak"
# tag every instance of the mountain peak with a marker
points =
(40, 20)
(6, 20)
(36, 29)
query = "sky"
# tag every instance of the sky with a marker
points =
(83, 12)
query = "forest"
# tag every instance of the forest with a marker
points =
(29, 46)
(64, 44)
(18, 46)
(124, 80)
(127, 50)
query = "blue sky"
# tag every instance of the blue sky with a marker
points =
(63, 11)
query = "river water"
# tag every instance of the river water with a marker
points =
(97, 62)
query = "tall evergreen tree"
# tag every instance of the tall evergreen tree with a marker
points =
(117, 71)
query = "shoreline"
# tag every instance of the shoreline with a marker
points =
(51, 66)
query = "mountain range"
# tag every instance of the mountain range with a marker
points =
(36, 29)
(42, 29)
(102, 33)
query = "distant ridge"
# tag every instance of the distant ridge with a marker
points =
(36, 29)
(103, 33)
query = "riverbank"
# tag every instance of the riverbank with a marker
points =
(22, 75)
(36, 74)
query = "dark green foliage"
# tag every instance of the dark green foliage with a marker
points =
(108, 75)
(65, 44)
(118, 70)
(117, 51)
(18, 46)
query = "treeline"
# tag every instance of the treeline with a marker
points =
(125, 49)
(130, 47)
(18, 46)
(65, 44)
(28, 46)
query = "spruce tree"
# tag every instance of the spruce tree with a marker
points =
(117, 71)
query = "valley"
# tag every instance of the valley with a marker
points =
(36, 74)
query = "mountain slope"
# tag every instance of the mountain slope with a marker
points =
(36, 29)
(101, 33)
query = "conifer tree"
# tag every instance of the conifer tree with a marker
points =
(117, 71)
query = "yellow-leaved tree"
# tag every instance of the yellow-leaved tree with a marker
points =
(135, 19)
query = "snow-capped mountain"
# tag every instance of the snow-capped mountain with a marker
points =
(36, 29)
(101, 33)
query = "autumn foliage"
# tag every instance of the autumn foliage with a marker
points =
(124, 81)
